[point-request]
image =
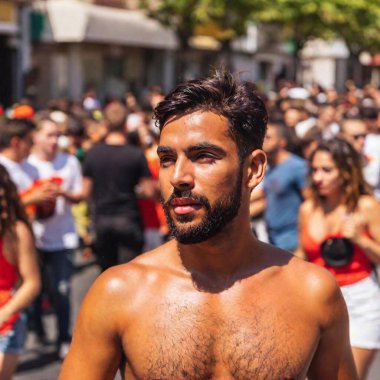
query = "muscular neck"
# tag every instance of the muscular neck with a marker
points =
(218, 263)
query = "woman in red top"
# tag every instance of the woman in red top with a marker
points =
(19, 274)
(340, 230)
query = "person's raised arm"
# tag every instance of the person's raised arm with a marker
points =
(363, 228)
(96, 351)
(333, 357)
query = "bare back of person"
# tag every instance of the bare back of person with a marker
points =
(167, 324)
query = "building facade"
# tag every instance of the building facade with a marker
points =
(112, 47)
(106, 48)
(14, 48)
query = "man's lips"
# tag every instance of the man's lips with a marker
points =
(185, 205)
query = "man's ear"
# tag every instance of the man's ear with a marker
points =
(15, 142)
(257, 162)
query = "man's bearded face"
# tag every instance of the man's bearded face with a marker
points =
(215, 218)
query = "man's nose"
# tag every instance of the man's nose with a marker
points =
(182, 177)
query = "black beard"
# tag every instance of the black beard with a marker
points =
(215, 219)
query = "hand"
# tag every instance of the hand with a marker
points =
(44, 193)
(353, 227)
(3, 317)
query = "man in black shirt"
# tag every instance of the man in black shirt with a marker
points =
(112, 171)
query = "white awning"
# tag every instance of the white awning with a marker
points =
(8, 28)
(75, 21)
(318, 48)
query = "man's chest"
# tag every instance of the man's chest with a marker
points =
(266, 343)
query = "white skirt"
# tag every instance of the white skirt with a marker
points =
(363, 304)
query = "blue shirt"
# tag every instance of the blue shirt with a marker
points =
(283, 185)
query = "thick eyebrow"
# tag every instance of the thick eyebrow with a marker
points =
(194, 148)
(164, 149)
(206, 146)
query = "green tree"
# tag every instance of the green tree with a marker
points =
(222, 19)
(357, 22)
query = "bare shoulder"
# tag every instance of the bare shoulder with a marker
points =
(124, 282)
(22, 229)
(307, 206)
(368, 210)
(106, 303)
(305, 210)
(313, 285)
(310, 278)
(318, 288)
(18, 240)
(368, 203)
(316, 280)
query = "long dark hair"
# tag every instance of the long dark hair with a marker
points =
(11, 210)
(350, 166)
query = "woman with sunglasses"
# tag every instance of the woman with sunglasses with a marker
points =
(340, 230)
(19, 275)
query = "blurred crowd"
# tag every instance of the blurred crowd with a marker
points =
(86, 173)
(298, 119)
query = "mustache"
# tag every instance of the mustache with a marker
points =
(186, 194)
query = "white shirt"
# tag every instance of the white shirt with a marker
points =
(57, 232)
(303, 126)
(15, 170)
(371, 170)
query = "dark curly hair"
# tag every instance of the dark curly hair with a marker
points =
(11, 210)
(350, 166)
(223, 94)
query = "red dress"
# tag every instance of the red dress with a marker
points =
(8, 281)
(358, 269)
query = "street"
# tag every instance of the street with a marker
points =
(41, 363)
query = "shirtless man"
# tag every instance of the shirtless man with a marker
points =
(214, 302)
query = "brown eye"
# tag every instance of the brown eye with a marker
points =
(205, 158)
(166, 160)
